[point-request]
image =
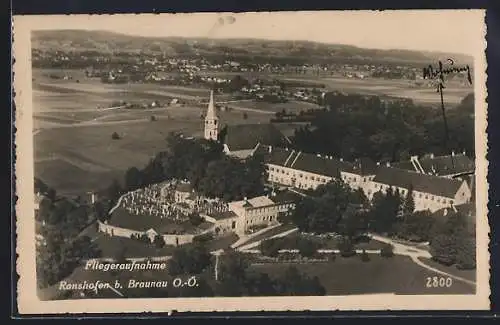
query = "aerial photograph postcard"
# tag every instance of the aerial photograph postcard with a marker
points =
(253, 161)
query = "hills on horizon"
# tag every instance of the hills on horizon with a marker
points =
(112, 42)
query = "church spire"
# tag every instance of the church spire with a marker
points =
(211, 120)
(211, 107)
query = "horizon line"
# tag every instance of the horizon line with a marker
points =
(248, 38)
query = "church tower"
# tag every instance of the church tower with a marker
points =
(211, 120)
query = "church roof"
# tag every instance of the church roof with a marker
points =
(308, 162)
(248, 136)
(435, 185)
(441, 165)
(211, 108)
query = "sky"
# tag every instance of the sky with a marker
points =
(455, 31)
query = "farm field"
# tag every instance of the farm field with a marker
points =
(290, 106)
(368, 86)
(348, 276)
(73, 137)
(140, 140)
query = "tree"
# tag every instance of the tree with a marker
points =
(416, 226)
(51, 194)
(443, 249)
(364, 256)
(133, 179)
(270, 247)
(409, 203)
(114, 191)
(152, 118)
(237, 83)
(158, 241)
(233, 265)
(189, 260)
(466, 253)
(232, 179)
(346, 248)
(324, 210)
(384, 212)
(307, 247)
(245, 116)
(294, 283)
(453, 242)
(100, 211)
(115, 136)
(195, 219)
(261, 285)
(387, 251)
(40, 186)
(353, 223)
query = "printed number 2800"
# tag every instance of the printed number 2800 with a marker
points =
(439, 282)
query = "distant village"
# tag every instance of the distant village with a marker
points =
(123, 67)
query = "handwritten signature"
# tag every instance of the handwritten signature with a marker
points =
(430, 72)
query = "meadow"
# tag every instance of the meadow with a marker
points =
(350, 276)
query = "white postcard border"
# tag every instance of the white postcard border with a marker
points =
(28, 302)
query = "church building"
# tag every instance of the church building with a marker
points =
(241, 140)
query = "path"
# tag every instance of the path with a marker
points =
(415, 253)
(430, 268)
(257, 243)
(244, 238)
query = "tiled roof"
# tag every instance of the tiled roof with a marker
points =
(308, 162)
(247, 136)
(255, 202)
(365, 166)
(224, 215)
(435, 185)
(441, 165)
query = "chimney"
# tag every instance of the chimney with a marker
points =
(432, 156)
(453, 153)
(270, 149)
(387, 164)
(463, 152)
(341, 159)
(378, 163)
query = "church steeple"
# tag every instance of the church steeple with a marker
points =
(211, 120)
